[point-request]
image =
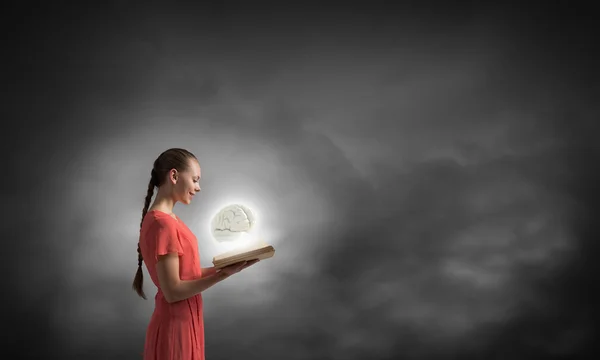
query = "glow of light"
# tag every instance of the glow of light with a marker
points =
(245, 238)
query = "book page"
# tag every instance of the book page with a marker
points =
(245, 249)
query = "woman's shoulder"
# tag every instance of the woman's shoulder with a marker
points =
(157, 218)
(156, 213)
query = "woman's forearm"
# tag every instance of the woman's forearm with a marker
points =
(188, 288)
(208, 271)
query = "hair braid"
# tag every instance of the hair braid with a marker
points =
(174, 158)
(138, 281)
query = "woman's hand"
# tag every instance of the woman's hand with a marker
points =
(229, 270)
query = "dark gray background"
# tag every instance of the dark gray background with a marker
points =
(425, 172)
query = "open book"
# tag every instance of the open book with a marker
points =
(259, 251)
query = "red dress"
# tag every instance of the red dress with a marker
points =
(176, 330)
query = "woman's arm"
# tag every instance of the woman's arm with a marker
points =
(208, 271)
(176, 289)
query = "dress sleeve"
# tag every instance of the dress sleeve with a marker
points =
(165, 238)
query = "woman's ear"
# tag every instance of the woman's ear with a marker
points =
(173, 176)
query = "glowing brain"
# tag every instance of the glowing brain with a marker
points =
(232, 222)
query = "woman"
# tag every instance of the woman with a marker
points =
(170, 251)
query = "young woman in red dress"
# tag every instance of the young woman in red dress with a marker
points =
(170, 251)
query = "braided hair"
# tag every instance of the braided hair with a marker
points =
(174, 158)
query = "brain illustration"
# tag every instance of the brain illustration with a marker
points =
(231, 222)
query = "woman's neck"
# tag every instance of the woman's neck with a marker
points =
(163, 203)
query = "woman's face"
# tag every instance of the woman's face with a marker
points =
(188, 182)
